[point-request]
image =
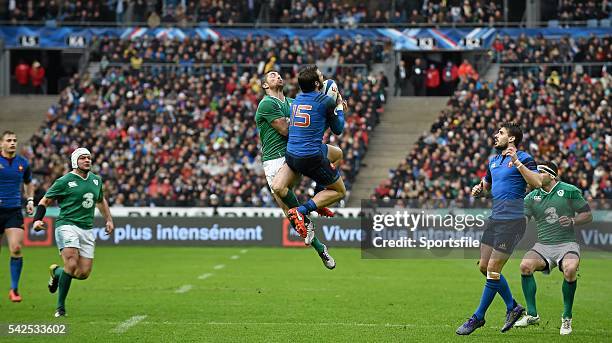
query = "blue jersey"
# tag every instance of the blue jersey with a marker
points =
(508, 185)
(13, 171)
(311, 114)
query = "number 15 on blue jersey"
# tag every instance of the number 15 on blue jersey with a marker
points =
(300, 116)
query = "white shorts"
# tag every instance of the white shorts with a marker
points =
(554, 253)
(71, 236)
(271, 168)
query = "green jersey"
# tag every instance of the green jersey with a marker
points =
(76, 197)
(546, 207)
(273, 144)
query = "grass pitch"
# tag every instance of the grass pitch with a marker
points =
(156, 294)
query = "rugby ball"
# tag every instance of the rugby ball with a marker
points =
(330, 88)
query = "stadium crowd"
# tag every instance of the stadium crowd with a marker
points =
(168, 139)
(182, 12)
(579, 10)
(337, 50)
(565, 117)
(540, 50)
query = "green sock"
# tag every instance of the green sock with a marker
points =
(290, 199)
(569, 289)
(529, 290)
(317, 245)
(64, 285)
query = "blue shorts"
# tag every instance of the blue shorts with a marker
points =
(504, 235)
(10, 218)
(317, 167)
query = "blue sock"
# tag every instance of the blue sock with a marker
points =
(318, 188)
(506, 294)
(16, 265)
(488, 294)
(308, 207)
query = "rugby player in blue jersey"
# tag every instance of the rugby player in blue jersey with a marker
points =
(508, 174)
(14, 170)
(312, 112)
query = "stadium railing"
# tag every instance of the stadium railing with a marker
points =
(521, 24)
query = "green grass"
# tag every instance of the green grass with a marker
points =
(274, 294)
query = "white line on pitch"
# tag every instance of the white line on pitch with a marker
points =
(235, 257)
(184, 289)
(243, 251)
(219, 266)
(124, 326)
(204, 276)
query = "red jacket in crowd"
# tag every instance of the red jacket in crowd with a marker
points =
(38, 76)
(22, 74)
(450, 73)
(433, 78)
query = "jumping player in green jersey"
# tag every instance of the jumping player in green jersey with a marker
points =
(557, 207)
(76, 192)
(272, 119)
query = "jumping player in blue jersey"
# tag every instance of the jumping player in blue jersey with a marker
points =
(312, 112)
(508, 174)
(14, 170)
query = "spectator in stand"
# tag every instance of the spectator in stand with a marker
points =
(22, 76)
(37, 77)
(433, 81)
(450, 74)
(401, 79)
(466, 71)
(417, 77)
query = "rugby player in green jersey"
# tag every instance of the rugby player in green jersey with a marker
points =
(76, 193)
(272, 119)
(556, 207)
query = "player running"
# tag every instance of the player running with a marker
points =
(557, 208)
(507, 176)
(272, 119)
(312, 113)
(76, 192)
(14, 170)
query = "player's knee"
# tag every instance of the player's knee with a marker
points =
(569, 273)
(82, 275)
(279, 189)
(70, 267)
(483, 268)
(526, 268)
(15, 250)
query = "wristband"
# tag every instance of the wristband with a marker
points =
(40, 212)
(30, 199)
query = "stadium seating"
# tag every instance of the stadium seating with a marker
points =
(564, 50)
(573, 130)
(172, 139)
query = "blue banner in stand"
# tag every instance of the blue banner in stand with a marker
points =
(415, 39)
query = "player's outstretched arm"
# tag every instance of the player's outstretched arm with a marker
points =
(105, 211)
